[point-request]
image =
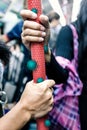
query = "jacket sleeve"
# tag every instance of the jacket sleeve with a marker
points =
(55, 71)
(64, 48)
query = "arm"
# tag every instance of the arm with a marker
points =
(55, 71)
(15, 119)
(64, 49)
(35, 101)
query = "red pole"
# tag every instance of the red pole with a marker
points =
(37, 54)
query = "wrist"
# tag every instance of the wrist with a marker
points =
(16, 118)
(26, 114)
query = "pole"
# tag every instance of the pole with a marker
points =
(37, 64)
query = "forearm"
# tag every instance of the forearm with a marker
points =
(56, 71)
(15, 119)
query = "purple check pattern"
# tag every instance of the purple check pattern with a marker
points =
(66, 111)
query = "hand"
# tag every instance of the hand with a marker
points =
(37, 98)
(33, 31)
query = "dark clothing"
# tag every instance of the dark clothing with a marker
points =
(64, 46)
(57, 114)
(65, 49)
(1, 111)
(56, 72)
(83, 108)
(15, 33)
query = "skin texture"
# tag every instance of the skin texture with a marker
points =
(36, 101)
(33, 31)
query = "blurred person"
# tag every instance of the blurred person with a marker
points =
(55, 26)
(68, 69)
(15, 34)
(13, 74)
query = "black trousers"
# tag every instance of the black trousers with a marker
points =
(83, 109)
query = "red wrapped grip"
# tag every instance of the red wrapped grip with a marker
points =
(37, 54)
(37, 51)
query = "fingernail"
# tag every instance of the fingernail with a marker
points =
(43, 34)
(42, 28)
(41, 39)
(34, 15)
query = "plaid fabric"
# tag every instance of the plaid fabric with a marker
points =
(66, 111)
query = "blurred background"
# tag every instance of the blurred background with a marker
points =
(9, 11)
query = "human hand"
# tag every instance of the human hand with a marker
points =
(37, 98)
(33, 31)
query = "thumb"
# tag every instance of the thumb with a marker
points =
(47, 84)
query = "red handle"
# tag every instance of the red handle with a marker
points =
(37, 54)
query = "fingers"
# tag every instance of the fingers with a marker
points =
(28, 39)
(43, 111)
(44, 20)
(28, 14)
(48, 103)
(41, 98)
(33, 35)
(33, 25)
(42, 87)
(47, 84)
(33, 32)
